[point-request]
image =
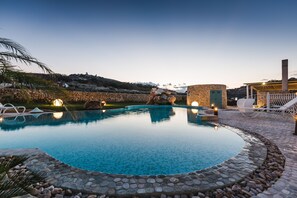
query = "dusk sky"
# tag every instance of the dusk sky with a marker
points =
(166, 41)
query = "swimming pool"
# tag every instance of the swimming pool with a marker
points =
(141, 141)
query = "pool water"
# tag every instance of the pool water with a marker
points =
(149, 141)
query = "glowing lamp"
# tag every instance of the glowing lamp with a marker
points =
(195, 104)
(103, 103)
(58, 102)
(1, 119)
(263, 83)
(103, 111)
(58, 115)
(212, 105)
(216, 111)
(236, 98)
(216, 127)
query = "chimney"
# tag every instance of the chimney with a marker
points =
(285, 75)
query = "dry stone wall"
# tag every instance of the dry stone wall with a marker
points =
(201, 94)
(18, 95)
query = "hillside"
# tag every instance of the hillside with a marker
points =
(86, 82)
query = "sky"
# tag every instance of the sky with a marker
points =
(162, 41)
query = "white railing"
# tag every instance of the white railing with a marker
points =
(279, 99)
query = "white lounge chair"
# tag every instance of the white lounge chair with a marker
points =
(245, 105)
(9, 106)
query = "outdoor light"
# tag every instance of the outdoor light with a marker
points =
(195, 104)
(103, 110)
(216, 127)
(58, 102)
(216, 111)
(212, 105)
(263, 83)
(194, 111)
(58, 115)
(103, 103)
(236, 98)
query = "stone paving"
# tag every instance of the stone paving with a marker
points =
(277, 129)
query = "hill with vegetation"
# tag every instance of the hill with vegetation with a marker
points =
(86, 82)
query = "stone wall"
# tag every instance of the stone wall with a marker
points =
(17, 95)
(201, 94)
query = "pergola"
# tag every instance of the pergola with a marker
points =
(268, 87)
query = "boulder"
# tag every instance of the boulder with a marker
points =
(161, 97)
(94, 104)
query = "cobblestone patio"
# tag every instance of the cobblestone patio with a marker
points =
(279, 130)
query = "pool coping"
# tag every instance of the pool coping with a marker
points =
(227, 173)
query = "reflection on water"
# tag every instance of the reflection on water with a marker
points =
(157, 115)
(161, 114)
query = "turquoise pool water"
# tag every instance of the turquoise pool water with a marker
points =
(145, 141)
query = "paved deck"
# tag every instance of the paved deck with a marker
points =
(279, 130)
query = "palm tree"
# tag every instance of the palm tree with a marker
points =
(16, 52)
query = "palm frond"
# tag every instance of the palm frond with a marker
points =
(28, 60)
(13, 46)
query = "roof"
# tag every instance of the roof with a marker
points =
(272, 86)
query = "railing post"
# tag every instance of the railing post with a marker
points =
(268, 101)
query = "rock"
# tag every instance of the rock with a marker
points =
(94, 104)
(161, 96)
(57, 191)
(68, 192)
(95, 196)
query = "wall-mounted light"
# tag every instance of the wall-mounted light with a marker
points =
(58, 115)
(195, 104)
(58, 102)
(212, 105)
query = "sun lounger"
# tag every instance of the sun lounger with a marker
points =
(9, 106)
(245, 105)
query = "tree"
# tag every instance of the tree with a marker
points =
(13, 51)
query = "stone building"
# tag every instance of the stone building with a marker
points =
(208, 94)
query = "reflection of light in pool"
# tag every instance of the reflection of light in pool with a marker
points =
(194, 111)
(58, 115)
(137, 142)
(1, 119)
